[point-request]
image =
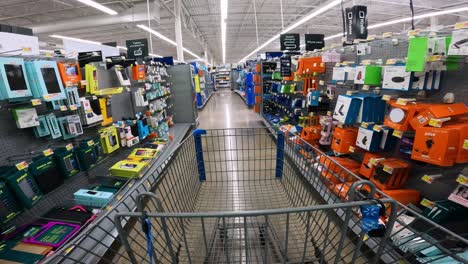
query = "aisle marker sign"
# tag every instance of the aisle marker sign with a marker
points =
(137, 48)
(290, 41)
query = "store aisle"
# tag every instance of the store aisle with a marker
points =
(227, 110)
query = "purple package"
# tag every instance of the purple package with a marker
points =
(53, 234)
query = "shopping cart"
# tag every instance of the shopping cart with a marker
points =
(240, 196)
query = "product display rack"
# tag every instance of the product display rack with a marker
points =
(206, 89)
(223, 78)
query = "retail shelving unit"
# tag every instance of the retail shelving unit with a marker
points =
(206, 89)
(223, 78)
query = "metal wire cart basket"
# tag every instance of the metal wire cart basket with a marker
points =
(265, 196)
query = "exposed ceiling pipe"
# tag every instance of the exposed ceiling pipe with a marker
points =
(136, 14)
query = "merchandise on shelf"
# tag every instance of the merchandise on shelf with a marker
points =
(14, 82)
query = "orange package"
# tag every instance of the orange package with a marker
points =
(70, 73)
(334, 174)
(343, 138)
(139, 72)
(367, 169)
(438, 111)
(391, 174)
(400, 116)
(438, 146)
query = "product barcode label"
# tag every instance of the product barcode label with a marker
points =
(22, 165)
(388, 169)
(427, 179)
(397, 133)
(462, 179)
(426, 203)
(35, 102)
(48, 152)
(69, 147)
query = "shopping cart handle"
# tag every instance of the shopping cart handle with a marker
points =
(199, 131)
(356, 184)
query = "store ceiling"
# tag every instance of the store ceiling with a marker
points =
(202, 20)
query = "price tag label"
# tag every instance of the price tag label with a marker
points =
(427, 179)
(377, 128)
(364, 124)
(426, 203)
(349, 93)
(48, 152)
(351, 149)
(68, 84)
(69, 147)
(435, 122)
(386, 97)
(366, 62)
(371, 37)
(47, 96)
(35, 102)
(390, 61)
(322, 82)
(397, 133)
(22, 165)
(388, 169)
(365, 87)
(337, 64)
(465, 144)
(387, 34)
(402, 101)
(90, 143)
(84, 82)
(329, 113)
(63, 108)
(49, 54)
(412, 33)
(109, 208)
(72, 107)
(320, 99)
(462, 179)
(461, 25)
(26, 49)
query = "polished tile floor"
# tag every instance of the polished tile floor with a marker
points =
(227, 110)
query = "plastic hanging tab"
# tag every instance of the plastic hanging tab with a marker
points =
(146, 225)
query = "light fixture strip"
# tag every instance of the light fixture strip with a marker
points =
(161, 36)
(121, 47)
(224, 12)
(76, 39)
(98, 6)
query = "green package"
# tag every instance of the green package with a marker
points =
(373, 75)
(417, 51)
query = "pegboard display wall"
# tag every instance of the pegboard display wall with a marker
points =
(453, 82)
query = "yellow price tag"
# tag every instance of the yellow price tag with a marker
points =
(73, 107)
(371, 37)
(412, 33)
(26, 49)
(350, 92)
(365, 237)
(351, 149)
(22, 165)
(435, 122)
(69, 147)
(322, 82)
(364, 124)
(49, 54)
(386, 97)
(329, 113)
(390, 61)
(387, 34)
(109, 208)
(388, 169)
(366, 62)
(63, 108)
(89, 111)
(35, 102)
(48, 152)
(426, 203)
(68, 84)
(397, 133)
(365, 87)
(462, 179)
(402, 101)
(461, 25)
(427, 179)
(377, 128)
(84, 82)
(47, 96)
(90, 143)
(465, 144)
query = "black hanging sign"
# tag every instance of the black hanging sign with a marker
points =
(314, 41)
(137, 48)
(356, 22)
(290, 41)
(285, 66)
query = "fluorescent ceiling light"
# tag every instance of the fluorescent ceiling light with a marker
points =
(301, 21)
(155, 55)
(98, 6)
(161, 36)
(46, 51)
(76, 39)
(121, 47)
(224, 11)
(408, 19)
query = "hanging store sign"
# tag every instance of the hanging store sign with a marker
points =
(290, 41)
(356, 22)
(314, 41)
(137, 48)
